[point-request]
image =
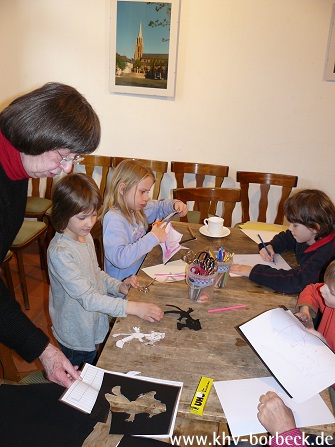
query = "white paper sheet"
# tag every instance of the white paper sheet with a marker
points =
(170, 272)
(267, 236)
(239, 400)
(83, 394)
(254, 259)
(299, 360)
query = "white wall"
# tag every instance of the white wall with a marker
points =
(249, 94)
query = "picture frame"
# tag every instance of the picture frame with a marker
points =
(330, 56)
(143, 47)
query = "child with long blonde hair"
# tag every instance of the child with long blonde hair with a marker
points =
(127, 213)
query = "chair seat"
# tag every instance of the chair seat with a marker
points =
(28, 232)
(37, 205)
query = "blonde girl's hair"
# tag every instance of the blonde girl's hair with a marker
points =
(131, 173)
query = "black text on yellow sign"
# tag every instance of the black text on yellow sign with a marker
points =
(201, 395)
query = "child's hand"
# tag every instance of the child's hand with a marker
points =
(146, 311)
(160, 233)
(132, 281)
(264, 254)
(241, 269)
(181, 208)
(305, 317)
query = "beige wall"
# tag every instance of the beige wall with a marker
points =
(249, 92)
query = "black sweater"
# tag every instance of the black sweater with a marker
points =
(16, 330)
(312, 259)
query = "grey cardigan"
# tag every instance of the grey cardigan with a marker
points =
(79, 303)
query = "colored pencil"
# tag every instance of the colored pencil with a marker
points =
(227, 308)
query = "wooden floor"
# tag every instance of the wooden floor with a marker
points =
(38, 290)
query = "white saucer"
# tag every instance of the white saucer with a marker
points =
(204, 230)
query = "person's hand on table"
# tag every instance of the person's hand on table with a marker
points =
(274, 415)
(147, 311)
(241, 269)
(57, 367)
(265, 255)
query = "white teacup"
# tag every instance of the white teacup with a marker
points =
(214, 225)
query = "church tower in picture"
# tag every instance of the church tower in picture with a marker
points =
(139, 46)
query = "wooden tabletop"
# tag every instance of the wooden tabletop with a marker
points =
(217, 351)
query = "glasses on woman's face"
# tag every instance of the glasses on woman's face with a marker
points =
(74, 159)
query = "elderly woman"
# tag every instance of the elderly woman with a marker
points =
(42, 134)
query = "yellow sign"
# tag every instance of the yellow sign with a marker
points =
(201, 395)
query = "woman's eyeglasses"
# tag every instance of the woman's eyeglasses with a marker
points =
(74, 159)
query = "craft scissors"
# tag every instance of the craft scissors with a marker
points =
(166, 219)
(206, 262)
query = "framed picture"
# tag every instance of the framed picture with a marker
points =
(143, 47)
(330, 58)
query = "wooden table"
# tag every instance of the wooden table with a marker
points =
(216, 351)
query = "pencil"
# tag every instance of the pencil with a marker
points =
(191, 231)
(266, 248)
(227, 308)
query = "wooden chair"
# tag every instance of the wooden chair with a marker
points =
(11, 372)
(180, 168)
(204, 198)
(38, 204)
(8, 366)
(7, 272)
(98, 166)
(29, 232)
(159, 168)
(265, 180)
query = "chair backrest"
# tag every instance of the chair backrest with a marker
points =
(200, 170)
(36, 190)
(265, 180)
(159, 168)
(180, 168)
(205, 196)
(91, 162)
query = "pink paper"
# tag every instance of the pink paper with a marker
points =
(171, 245)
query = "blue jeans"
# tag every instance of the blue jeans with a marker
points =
(77, 358)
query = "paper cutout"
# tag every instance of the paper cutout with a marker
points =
(171, 245)
(89, 389)
(152, 337)
(145, 403)
(190, 323)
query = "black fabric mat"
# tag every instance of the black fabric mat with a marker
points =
(32, 416)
